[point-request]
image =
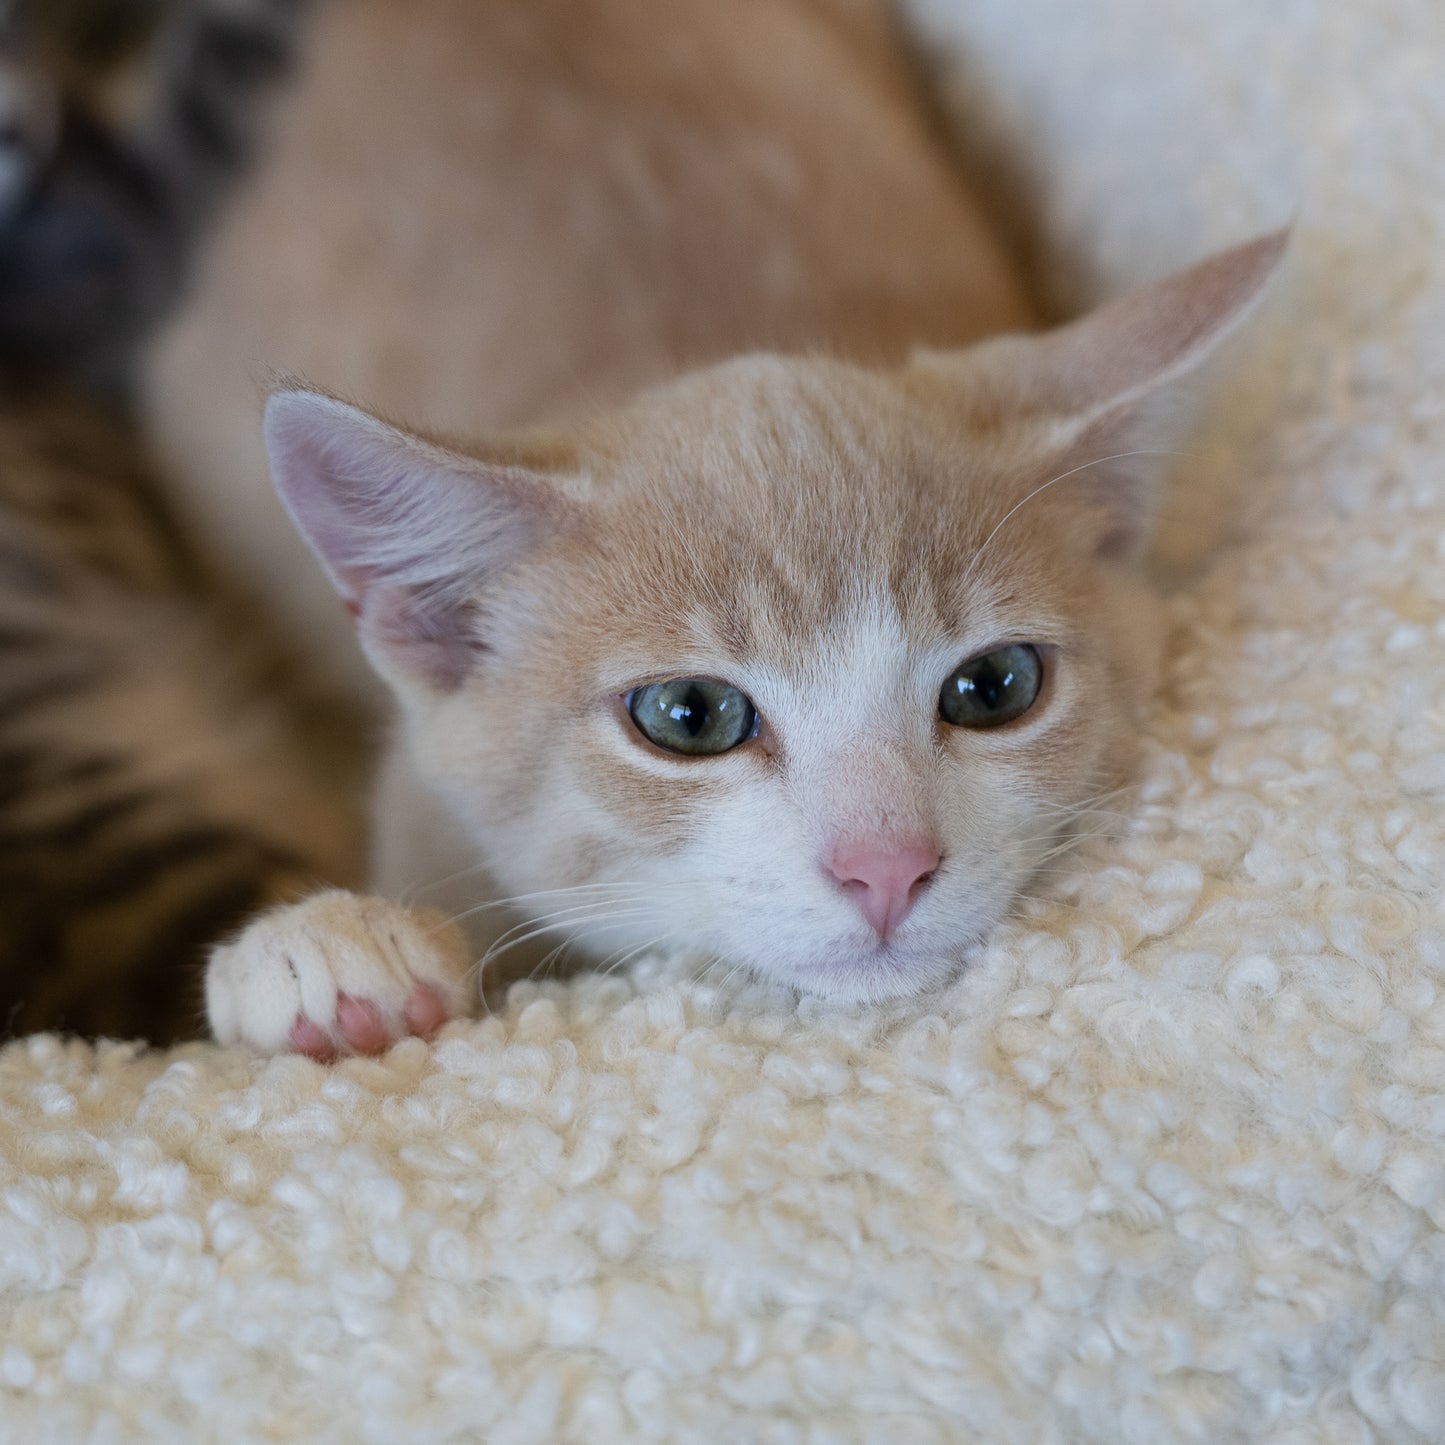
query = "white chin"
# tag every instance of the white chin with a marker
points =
(867, 975)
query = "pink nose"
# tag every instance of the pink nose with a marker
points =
(884, 879)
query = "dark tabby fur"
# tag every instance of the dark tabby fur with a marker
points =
(150, 796)
(100, 223)
(134, 740)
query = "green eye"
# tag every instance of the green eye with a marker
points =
(993, 689)
(694, 715)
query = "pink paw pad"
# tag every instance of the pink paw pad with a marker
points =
(361, 1025)
(425, 1012)
(361, 1028)
(313, 1041)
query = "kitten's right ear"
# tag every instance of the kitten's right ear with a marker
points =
(1106, 399)
(407, 531)
(1116, 358)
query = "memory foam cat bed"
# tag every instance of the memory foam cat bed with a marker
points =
(1165, 1165)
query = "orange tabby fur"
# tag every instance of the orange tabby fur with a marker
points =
(480, 216)
(485, 217)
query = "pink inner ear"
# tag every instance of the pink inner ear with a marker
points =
(406, 531)
(432, 638)
(1121, 377)
(1149, 337)
(328, 464)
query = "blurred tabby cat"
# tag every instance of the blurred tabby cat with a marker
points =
(800, 659)
(149, 795)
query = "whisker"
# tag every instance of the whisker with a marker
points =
(732, 973)
(518, 900)
(1089, 804)
(1067, 870)
(1045, 900)
(1054, 481)
(545, 964)
(1073, 841)
(711, 962)
(547, 958)
(717, 962)
(614, 890)
(558, 915)
(603, 920)
(627, 957)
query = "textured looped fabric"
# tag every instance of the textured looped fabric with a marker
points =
(1166, 1165)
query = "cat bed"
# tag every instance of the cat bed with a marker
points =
(1165, 1164)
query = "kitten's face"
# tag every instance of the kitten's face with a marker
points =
(803, 665)
(813, 537)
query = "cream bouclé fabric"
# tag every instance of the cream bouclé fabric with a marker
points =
(1167, 1163)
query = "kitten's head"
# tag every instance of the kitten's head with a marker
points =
(801, 664)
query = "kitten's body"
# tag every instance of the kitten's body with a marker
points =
(518, 214)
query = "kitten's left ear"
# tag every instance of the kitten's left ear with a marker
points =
(1106, 398)
(409, 533)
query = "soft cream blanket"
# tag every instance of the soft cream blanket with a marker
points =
(1167, 1165)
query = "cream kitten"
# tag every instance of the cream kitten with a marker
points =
(799, 663)
(804, 657)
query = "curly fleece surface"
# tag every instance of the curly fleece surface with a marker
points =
(1165, 1165)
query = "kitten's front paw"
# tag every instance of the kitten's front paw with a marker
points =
(338, 973)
